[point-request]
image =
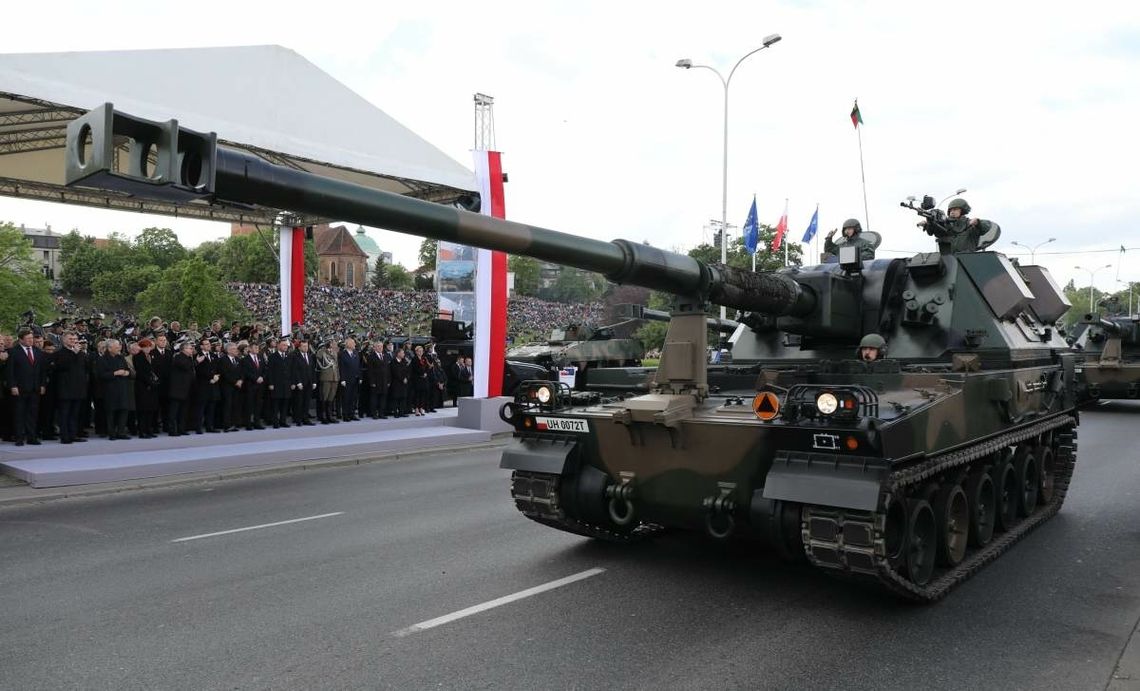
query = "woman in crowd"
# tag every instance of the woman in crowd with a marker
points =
(421, 381)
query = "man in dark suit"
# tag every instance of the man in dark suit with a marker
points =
(305, 377)
(398, 392)
(253, 372)
(25, 381)
(349, 362)
(180, 388)
(70, 386)
(230, 385)
(161, 358)
(279, 376)
(379, 367)
(205, 389)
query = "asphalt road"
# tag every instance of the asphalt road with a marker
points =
(97, 593)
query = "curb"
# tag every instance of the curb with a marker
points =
(29, 495)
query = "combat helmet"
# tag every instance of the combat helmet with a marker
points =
(872, 341)
(852, 223)
(959, 203)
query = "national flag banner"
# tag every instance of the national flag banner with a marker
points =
(751, 229)
(856, 116)
(490, 283)
(781, 228)
(813, 226)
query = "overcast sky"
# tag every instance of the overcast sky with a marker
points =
(1032, 109)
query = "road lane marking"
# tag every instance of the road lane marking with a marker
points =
(506, 599)
(258, 527)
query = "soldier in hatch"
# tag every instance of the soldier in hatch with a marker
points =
(852, 235)
(962, 234)
(872, 347)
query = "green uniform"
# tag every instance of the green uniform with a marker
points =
(963, 237)
(866, 247)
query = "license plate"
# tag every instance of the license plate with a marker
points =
(561, 424)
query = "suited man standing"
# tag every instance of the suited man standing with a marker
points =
(161, 358)
(252, 367)
(25, 380)
(280, 378)
(379, 377)
(305, 377)
(179, 389)
(349, 362)
(231, 382)
(70, 386)
(113, 371)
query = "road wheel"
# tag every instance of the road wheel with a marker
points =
(1005, 488)
(952, 509)
(894, 533)
(922, 542)
(1028, 479)
(1047, 461)
(983, 508)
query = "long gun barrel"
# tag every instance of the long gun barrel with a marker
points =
(192, 166)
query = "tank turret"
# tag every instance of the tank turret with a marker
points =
(1110, 352)
(912, 470)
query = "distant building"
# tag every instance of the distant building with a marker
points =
(340, 260)
(45, 248)
(369, 247)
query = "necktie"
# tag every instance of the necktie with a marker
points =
(31, 358)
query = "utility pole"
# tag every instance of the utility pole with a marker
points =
(484, 122)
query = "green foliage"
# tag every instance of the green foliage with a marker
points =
(253, 258)
(428, 251)
(399, 278)
(652, 335)
(22, 283)
(576, 286)
(738, 257)
(423, 281)
(1081, 304)
(380, 278)
(189, 291)
(121, 288)
(160, 247)
(527, 271)
(80, 263)
(210, 251)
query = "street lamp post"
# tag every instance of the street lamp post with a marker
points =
(1092, 283)
(1130, 284)
(1033, 250)
(687, 64)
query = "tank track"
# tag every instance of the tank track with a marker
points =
(536, 495)
(852, 543)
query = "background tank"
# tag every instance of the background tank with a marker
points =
(1110, 356)
(454, 339)
(901, 470)
(583, 347)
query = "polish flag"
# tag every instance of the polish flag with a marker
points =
(291, 251)
(490, 284)
(781, 228)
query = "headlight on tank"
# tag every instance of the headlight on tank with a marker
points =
(826, 403)
(543, 394)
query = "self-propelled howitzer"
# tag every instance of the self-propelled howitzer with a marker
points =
(1110, 357)
(912, 471)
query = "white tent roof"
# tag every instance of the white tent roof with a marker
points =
(264, 99)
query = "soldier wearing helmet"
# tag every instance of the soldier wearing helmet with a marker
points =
(964, 234)
(852, 235)
(872, 347)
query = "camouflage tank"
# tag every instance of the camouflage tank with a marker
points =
(1110, 348)
(455, 339)
(912, 471)
(582, 347)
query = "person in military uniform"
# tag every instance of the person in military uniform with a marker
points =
(328, 376)
(961, 233)
(872, 347)
(853, 236)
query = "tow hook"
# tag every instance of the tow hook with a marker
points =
(719, 521)
(620, 505)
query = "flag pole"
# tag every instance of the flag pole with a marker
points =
(862, 174)
(785, 231)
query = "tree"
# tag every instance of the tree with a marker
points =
(428, 251)
(738, 256)
(652, 334)
(379, 278)
(253, 258)
(160, 247)
(528, 274)
(423, 281)
(576, 286)
(399, 278)
(122, 288)
(22, 281)
(189, 291)
(80, 262)
(210, 251)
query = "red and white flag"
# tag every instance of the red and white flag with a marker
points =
(291, 253)
(781, 228)
(490, 284)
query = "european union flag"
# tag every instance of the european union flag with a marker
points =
(813, 226)
(751, 229)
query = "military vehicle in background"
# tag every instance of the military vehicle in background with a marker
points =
(913, 470)
(573, 351)
(1110, 348)
(454, 339)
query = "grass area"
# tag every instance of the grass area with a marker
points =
(650, 362)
